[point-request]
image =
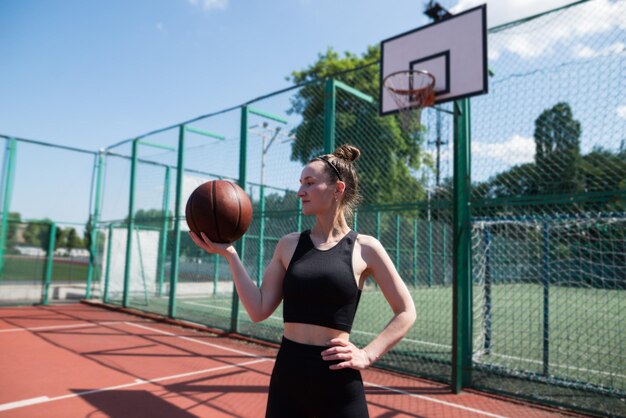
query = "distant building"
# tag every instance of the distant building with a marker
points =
(74, 252)
(30, 251)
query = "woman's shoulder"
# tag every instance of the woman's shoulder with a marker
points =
(372, 251)
(289, 241)
(292, 236)
(368, 242)
(286, 247)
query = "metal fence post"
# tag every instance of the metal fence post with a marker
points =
(130, 226)
(462, 287)
(107, 269)
(164, 228)
(240, 244)
(330, 103)
(49, 261)
(93, 234)
(180, 167)
(7, 190)
(260, 248)
(415, 253)
(546, 298)
(488, 288)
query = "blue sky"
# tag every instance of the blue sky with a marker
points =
(92, 73)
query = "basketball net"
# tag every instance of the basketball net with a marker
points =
(412, 90)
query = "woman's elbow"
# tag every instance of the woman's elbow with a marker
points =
(409, 317)
(412, 317)
(257, 317)
(410, 314)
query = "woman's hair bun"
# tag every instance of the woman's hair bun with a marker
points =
(347, 152)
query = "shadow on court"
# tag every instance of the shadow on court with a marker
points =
(127, 403)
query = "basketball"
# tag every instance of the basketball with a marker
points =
(220, 209)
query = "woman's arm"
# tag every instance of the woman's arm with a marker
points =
(381, 268)
(261, 302)
(395, 291)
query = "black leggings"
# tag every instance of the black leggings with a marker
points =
(302, 386)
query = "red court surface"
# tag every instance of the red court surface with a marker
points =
(84, 361)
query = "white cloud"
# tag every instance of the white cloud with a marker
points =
(498, 155)
(621, 112)
(517, 150)
(599, 16)
(160, 27)
(584, 51)
(499, 11)
(207, 5)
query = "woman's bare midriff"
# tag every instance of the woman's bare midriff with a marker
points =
(312, 334)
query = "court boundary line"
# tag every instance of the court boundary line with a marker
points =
(222, 308)
(428, 398)
(45, 399)
(185, 338)
(53, 327)
(560, 366)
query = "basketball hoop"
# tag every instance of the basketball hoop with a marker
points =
(412, 90)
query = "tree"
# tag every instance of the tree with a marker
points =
(520, 180)
(390, 156)
(149, 217)
(557, 156)
(14, 221)
(72, 240)
(33, 234)
(558, 167)
(37, 234)
(60, 238)
(604, 170)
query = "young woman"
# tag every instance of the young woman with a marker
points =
(318, 275)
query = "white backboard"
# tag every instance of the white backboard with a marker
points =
(453, 50)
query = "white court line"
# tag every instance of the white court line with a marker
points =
(25, 402)
(221, 308)
(185, 297)
(409, 340)
(51, 327)
(428, 398)
(221, 347)
(137, 382)
(556, 365)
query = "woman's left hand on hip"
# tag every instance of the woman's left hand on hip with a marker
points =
(349, 354)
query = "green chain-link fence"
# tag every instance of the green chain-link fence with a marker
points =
(44, 243)
(547, 205)
(549, 210)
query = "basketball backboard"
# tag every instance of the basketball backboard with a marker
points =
(453, 50)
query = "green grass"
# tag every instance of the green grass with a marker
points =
(33, 270)
(586, 337)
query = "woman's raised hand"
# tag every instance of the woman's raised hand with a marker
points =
(209, 246)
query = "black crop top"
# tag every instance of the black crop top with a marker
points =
(319, 286)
